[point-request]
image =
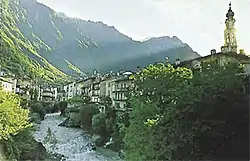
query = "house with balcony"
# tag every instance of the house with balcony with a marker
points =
(91, 88)
(71, 90)
(87, 86)
(48, 94)
(78, 87)
(7, 82)
(7, 85)
(61, 94)
(23, 89)
(95, 92)
(120, 89)
(106, 86)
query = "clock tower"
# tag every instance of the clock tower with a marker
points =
(230, 44)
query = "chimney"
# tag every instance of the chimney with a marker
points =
(167, 59)
(213, 51)
(177, 62)
(223, 49)
(118, 74)
(242, 51)
(95, 72)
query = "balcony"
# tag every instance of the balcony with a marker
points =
(47, 94)
(119, 99)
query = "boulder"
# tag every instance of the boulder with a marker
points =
(35, 117)
(73, 120)
(72, 108)
(122, 154)
(97, 140)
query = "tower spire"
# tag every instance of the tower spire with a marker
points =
(230, 44)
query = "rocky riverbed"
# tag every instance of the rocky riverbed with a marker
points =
(69, 144)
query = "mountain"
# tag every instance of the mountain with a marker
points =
(133, 64)
(17, 54)
(78, 46)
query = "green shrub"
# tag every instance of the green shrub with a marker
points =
(37, 107)
(12, 117)
(181, 115)
(63, 105)
(99, 126)
(47, 106)
(106, 100)
(56, 107)
(86, 114)
(18, 145)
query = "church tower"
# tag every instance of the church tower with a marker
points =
(230, 44)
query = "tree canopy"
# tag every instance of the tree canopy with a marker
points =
(179, 114)
(13, 118)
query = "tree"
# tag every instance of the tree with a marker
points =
(178, 113)
(12, 117)
(86, 114)
(106, 101)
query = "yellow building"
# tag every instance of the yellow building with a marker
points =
(230, 42)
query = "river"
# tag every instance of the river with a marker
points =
(69, 142)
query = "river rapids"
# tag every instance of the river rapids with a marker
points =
(71, 143)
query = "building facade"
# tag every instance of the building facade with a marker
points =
(7, 85)
(120, 89)
(48, 94)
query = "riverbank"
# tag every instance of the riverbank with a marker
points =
(107, 128)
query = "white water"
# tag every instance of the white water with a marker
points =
(70, 142)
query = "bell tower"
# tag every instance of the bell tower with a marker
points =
(230, 42)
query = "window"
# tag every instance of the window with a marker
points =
(108, 84)
(117, 105)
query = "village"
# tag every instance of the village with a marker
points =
(169, 109)
(113, 85)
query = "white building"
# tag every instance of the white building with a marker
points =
(7, 85)
(106, 86)
(71, 90)
(120, 89)
(78, 87)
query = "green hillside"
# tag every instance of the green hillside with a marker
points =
(18, 55)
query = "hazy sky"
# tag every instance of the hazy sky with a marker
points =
(200, 23)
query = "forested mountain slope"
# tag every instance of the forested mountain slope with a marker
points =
(18, 54)
(72, 43)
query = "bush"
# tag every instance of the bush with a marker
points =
(99, 126)
(106, 100)
(13, 117)
(63, 105)
(56, 107)
(37, 107)
(23, 146)
(181, 115)
(86, 114)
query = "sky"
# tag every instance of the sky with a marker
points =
(199, 23)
